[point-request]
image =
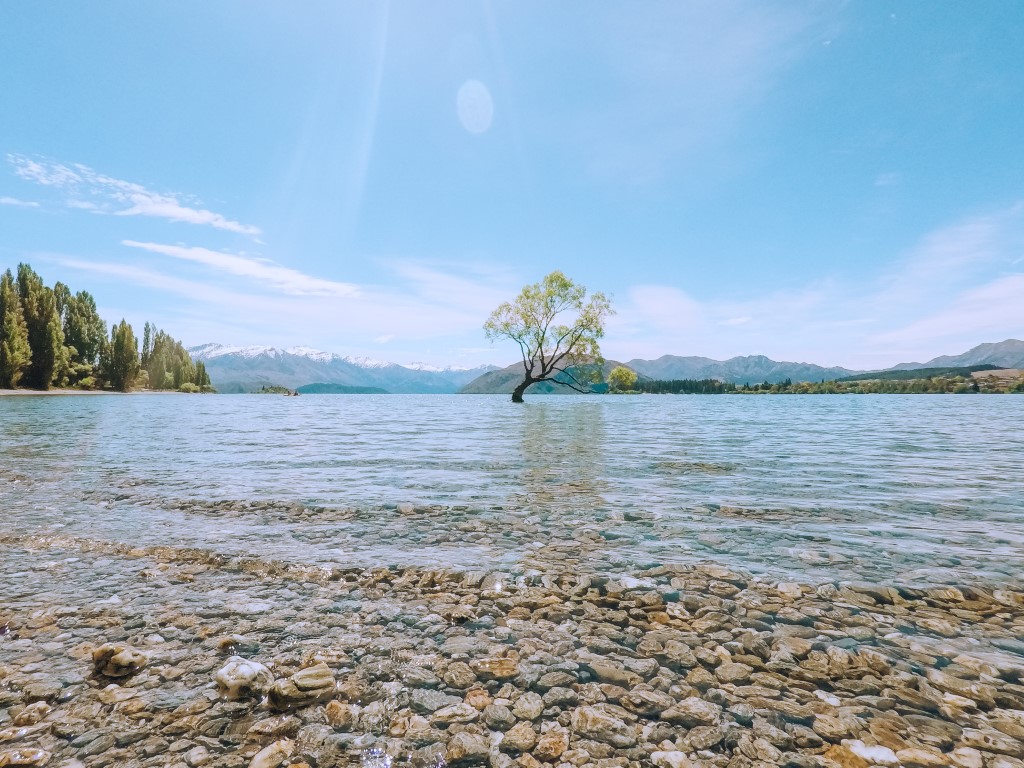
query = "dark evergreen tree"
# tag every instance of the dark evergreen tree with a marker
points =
(45, 335)
(15, 353)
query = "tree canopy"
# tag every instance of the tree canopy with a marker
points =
(558, 331)
(15, 352)
(45, 334)
(51, 336)
(622, 379)
(122, 361)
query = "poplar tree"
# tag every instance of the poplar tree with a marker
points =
(45, 335)
(15, 353)
(123, 363)
(84, 329)
(147, 344)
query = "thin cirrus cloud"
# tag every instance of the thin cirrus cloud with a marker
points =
(959, 282)
(285, 279)
(89, 190)
(18, 203)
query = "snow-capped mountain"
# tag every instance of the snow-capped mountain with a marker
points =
(247, 368)
(436, 369)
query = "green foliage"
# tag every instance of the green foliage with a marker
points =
(930, 385)
(550, 347)
(189, 387)
(272, 389)
(53, 336)
(84, 329)
(622, 379)
(122, 365)
(15, 353)
(686, 387)
(168, 364)
(45, 335)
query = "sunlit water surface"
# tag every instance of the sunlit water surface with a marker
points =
(909, 489)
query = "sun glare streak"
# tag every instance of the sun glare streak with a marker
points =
(364, 153)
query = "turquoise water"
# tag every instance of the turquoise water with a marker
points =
(911, 489)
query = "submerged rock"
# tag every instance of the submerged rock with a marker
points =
(26, 756)
(306, 686)
(274, 755)
(243, 679)
(600, 726)
(118, 660)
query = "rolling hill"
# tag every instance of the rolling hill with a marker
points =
(1002, 354)
(504, 380)
(750, 369)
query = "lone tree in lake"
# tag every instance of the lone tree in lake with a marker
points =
(557, 330)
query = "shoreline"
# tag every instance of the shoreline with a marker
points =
(89, 392)
(678, 666)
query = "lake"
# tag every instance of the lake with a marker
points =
(886, 489)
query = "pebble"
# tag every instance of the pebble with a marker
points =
(118, 660)
(243, 679)
(677, 667)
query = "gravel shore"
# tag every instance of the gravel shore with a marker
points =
(120, 656)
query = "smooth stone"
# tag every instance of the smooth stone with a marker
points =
(551, 744)
(273, 755)
(496, 668)
(466, 747)
(455, 713)
(242, 679)
(600, 726)
(306, 686)
(519, 738)
(118, 660)
(670, 759)
(425, 701)
(646, 703)
(25, 756)
(529, 706)
(692, 712)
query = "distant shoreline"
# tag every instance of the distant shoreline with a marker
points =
(63, 392)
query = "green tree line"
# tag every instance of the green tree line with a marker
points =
(929, 385)
(684, 387)
(923, 385)
(53, 337)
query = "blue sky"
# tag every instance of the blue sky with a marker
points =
(834, 182)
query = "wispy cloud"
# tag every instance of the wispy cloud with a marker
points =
(17, 203)
(88, 189)
(289, 281)
(994, 307)
(958, 286)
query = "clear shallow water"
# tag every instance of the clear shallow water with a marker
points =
(909, 489)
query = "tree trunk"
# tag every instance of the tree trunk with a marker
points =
(517, 393)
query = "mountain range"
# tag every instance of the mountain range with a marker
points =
(246, 369)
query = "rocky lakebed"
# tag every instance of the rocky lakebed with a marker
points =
(121, 655)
